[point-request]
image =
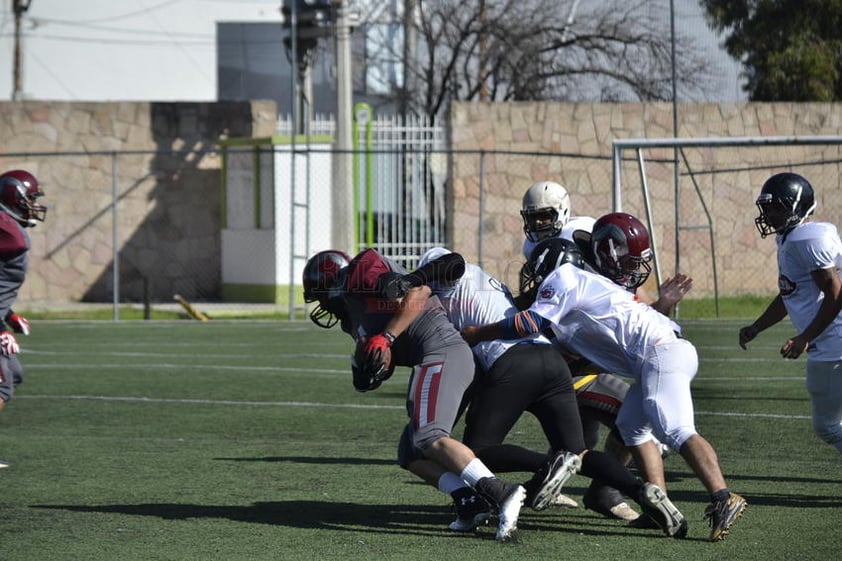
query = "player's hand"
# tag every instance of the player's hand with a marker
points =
(793, 348)
(747, 333)
(376, 345)
(469, 334)
(18, 323)
(674, 288)
(8, 344)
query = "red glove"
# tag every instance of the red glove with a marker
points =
(19, 324)
(377, 344)
(8, 344)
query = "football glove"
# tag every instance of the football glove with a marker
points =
(8, 344)
(19, 324)
(373, 364)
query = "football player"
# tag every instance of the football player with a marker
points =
(530, 375)
(19, 209)
(395, 322)
(604, 323)
(546, 211)
(810, 292)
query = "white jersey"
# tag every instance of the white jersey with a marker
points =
(574, 223)
(807, 248)
(600, 320)
(477, 299)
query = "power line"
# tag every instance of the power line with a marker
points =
(123, 16)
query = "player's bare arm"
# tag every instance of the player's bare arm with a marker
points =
(774, 312)
(409, 307)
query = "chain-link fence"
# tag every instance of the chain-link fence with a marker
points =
(127, 226)
(698, 197)
(141, 226)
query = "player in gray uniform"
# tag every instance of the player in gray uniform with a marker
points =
(810, 292)
(397, 324)
(19, 209)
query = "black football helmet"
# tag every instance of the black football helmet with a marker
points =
(322, 281)
(19, 192)
(546, 257)
(621, 252)
(785, 200)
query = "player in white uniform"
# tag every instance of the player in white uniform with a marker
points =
(530, 375)
(810, 291)
(601, 321)
(545, 210)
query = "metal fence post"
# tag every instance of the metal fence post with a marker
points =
(115, 233)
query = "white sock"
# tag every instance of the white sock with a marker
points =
(450, 482)
(475, 471)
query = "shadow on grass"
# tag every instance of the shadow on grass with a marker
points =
(295, 514)
(316, 460)
(421, 520)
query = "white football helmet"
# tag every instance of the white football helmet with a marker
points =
(546, 209)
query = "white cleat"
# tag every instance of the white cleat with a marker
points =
(508, 513)
(562, 467)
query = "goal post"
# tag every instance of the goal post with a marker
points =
(707, 186)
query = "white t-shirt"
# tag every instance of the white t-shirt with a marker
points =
(600, 320)
(477, 299)
(807, 248)
(574, 223)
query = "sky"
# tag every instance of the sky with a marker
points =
(109, 50)
(165, 50)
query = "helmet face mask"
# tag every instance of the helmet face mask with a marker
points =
(785, 200)
(19, 193)
(620, 244)
(545, 210)
(323, 281)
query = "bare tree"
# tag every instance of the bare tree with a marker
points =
(616, 50)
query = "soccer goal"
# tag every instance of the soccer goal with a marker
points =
(697, 197)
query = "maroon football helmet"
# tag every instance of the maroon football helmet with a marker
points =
(323, 284)
(19, 191)
(620, 244)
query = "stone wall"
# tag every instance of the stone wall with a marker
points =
(167, 185)
(571, 143)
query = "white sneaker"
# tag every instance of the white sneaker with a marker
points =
(4, 463)
(508, 512)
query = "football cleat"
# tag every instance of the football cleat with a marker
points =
(723, 514)
(548, 481)
(508, 499)
(563, 501)
(508, 512)
(608, 502)
(659, 508)
(4, 464)
(471, 510)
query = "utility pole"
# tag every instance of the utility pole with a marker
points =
(19, 7)
(344, 221)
